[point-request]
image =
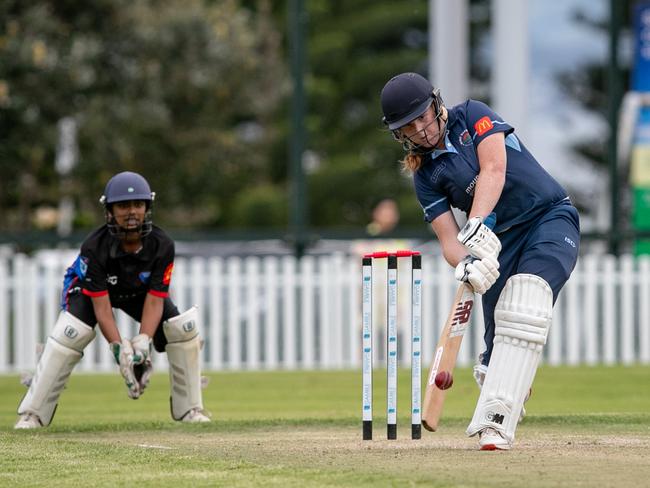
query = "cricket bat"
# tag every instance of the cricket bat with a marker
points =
(446, 353)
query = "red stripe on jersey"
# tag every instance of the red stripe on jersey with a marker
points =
(160, 294)
(95, 293)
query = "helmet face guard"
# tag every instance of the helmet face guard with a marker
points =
(124, 187)
(411, 146)
(120, 232)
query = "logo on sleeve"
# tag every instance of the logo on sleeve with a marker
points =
(81, 264)
(483, 125)
(144, 276)
(167, 276)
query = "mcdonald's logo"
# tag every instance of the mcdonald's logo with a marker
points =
(483, 125)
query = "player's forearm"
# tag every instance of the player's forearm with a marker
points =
(454, 252)
(446, 230)
(151, 315)
(106, 320)
(488, 190)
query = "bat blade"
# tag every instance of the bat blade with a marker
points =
(446, 353)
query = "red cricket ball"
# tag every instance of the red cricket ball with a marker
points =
(444, 380)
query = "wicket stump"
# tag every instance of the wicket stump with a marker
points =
(392, 342)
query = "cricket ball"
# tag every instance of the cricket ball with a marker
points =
(444, 380)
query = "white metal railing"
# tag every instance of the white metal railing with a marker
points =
(277, 313)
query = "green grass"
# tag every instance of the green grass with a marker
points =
(585, 427)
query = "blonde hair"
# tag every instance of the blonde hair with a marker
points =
(411, 162)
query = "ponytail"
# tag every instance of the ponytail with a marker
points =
(412, 162)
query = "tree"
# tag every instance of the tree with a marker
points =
(181, 91)
(588, 85)
(353, 48)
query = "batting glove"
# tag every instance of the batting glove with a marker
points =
(142, 360)
(123, 353)
(480, 273)
(479, 239)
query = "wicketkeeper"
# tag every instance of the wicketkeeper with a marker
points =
(127, 264)
(467, 157)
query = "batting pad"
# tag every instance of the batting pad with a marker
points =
(184, 358)
(523, 317)
(63, 350)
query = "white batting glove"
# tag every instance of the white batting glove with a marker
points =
(143, 367)
(480, 273)
(479, 239)
(123, 353)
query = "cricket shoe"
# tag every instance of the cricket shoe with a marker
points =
(28, 421)
(490, 439)
(196, 415)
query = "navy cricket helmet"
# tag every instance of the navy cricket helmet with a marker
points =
(406, 97)
(126, 186)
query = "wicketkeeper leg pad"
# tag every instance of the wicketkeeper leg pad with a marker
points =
(522, 317)
(63, 350)
(184, 357)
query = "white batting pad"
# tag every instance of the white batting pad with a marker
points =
(522, 317)
(63, 350)
(184, 357)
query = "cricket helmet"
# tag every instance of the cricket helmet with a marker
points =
(127, 186)
(406, 97)
(124, 187)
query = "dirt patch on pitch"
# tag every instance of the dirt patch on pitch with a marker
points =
(542, 457)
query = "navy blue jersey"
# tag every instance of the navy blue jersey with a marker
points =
(448, 176)
(102, 267)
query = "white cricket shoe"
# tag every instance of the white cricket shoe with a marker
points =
(28, 421)
(490, 439)
(195, 415)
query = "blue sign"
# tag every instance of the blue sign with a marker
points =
(641, 68)
(642, 128)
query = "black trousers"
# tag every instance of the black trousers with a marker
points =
(81, 306)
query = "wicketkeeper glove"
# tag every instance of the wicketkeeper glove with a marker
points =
(479, 239)
(480, 273)
(123, 353)
(142, 359)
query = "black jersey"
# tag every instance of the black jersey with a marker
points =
(102, 267)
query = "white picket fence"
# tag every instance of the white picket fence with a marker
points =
(279, 313)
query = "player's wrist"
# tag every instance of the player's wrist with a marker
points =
(115, 348)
